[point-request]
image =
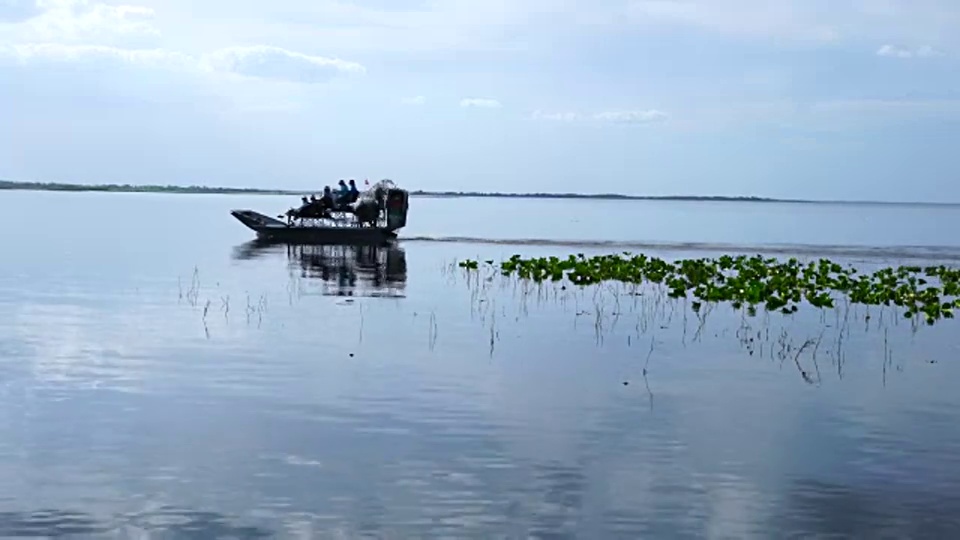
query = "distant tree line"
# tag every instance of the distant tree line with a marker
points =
(131, 188)
(611, 196)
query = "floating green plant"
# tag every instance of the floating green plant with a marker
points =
(930, 293)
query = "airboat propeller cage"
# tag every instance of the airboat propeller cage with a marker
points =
(397, 205)
(393, 200)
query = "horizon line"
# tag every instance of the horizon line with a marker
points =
(199, 190)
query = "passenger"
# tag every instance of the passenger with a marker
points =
(354, 192)
(343, 195)
(326, 201)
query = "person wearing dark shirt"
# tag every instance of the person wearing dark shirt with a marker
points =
(327, 199)
(354, 192)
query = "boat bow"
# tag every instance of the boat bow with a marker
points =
(255, 220)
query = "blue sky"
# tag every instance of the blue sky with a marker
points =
(848, 99)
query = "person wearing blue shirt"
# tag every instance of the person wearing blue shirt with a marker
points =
(343, 194)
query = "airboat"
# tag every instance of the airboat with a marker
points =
(374, 218)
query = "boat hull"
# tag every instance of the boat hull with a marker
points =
(328, 235)
(274, 230)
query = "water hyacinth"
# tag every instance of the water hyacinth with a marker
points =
(753, 281)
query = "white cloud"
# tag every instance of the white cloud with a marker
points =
(266, 62)
(155, 76)
(482, 103)
(407, 26)
(262, 62)
(893, 51)
(404, 26)
(85, 54)
(556, 117)
(619, 117)
(83, 21)
(631, 117)
(86, 32)
(416, 100)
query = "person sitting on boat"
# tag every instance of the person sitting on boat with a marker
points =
(354, 192)
(305, 203)
(343, 194)
(326, 201)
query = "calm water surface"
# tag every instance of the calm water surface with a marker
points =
(164, 377)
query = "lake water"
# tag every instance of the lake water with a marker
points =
(161, 376)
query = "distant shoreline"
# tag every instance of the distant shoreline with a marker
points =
(205, 190)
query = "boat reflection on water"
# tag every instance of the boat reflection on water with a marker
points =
(340, 269)
(351, 270)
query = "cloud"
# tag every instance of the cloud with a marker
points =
(83, 21)
(631, 117)
(267, 62)
(260, 62)
(94, 54)
(556, 117)
(85, 32)
(893, 51)
(482, 103)
(649, 116)
(398, 26)
(416, 100)
(56, 74)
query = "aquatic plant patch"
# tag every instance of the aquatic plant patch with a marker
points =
(930, 293)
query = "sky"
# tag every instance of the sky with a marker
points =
(839, 99)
